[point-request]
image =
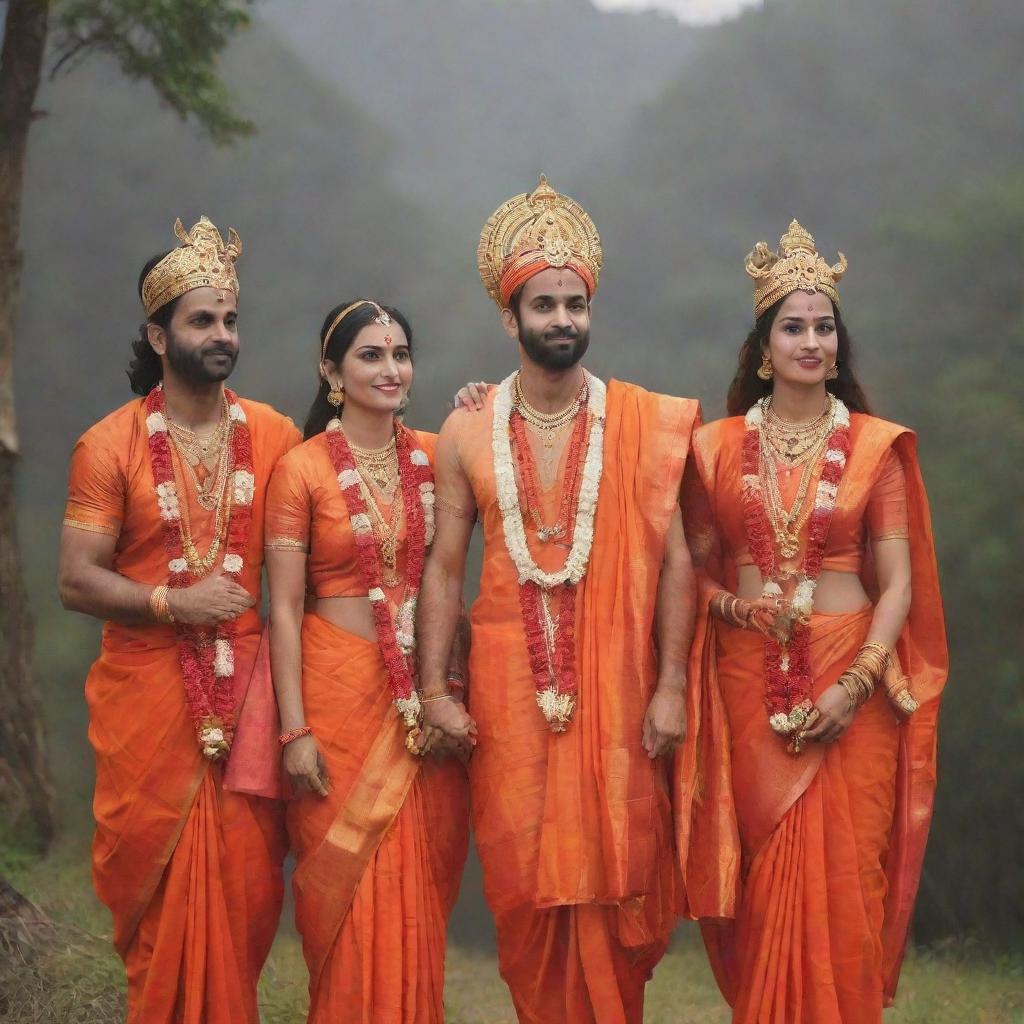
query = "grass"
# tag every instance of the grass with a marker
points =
(69, 973)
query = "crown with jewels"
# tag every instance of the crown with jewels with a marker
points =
(533, 230)
(796, 265)
(201, 261)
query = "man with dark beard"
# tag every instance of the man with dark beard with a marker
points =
(163, 539)
(580, 633)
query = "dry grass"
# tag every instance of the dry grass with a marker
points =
(67, 973)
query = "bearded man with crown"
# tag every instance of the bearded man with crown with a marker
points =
(805, 787)
(163, 540)
(580, 633)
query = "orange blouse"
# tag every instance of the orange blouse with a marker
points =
(883, 516)
(306, 511)
(111, 491)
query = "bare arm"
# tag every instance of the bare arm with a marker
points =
(303, 760)
(89, 584)
(440, 602)
(892, 569)
(665, 721)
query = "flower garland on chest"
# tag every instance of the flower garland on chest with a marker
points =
(788, 674)
(550, 634)
(207, 654)
(396, 635)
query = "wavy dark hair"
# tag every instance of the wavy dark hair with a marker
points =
(146, 370)
(321, 412)
(746, 387)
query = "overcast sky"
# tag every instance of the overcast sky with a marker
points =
(695, 11)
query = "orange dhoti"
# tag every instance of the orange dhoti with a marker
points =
(190, 871)
(574, 829)
(380, 858)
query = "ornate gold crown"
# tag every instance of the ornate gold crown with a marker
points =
(796, 265)
(534, 230)
(201, 261)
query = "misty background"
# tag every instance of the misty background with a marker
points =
(387, 132)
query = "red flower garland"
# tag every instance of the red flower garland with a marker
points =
(417, 482)
(206, 655)
(555, 664)
(788, 670)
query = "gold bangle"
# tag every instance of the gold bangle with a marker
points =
(158, 605)
(437, 696)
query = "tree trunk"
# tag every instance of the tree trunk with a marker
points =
(26, 795)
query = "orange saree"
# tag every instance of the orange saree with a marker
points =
(574, 829)
(380, 858)
(820, 853)
(191, 872)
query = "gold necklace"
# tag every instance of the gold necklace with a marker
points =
(793, 442)
(194, 451)
(786, 525)
(378, 465)
(545, 421)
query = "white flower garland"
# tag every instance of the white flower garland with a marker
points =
(575, 567)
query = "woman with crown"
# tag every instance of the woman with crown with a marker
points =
(806, 784)
(379, 818)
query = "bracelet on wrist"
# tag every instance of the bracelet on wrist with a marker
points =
(158, 605)
(293, 734)
(436, 696)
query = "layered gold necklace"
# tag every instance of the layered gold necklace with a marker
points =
(212, 493)
(547, 422)
(804, 444)
(792, 442)
(378, 471)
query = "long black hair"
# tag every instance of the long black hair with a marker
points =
(321, 412)
(746, 387)
(145, 370)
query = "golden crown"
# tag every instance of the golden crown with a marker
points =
(796, 265)
(201, 261)
(537, 228)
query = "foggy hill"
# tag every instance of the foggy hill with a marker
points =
(108, 173)
(838, 113)
(480, 95)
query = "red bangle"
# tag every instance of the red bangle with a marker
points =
(286, 737)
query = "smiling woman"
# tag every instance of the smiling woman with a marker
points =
(379, 831)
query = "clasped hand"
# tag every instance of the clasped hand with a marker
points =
(215, 598)
(665, 721)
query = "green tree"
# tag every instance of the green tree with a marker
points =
(173, 45)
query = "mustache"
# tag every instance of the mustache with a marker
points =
(567, 333)
(219, 350)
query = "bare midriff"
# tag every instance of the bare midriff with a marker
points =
(836, 592)
(352, 614)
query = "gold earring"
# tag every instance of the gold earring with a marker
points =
(766, 371)
(832, 373)
(336, 396)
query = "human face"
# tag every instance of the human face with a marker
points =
(201, 341)
(803, 342)
(553, 326)
(376, 371)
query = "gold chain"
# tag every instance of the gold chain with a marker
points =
(194, 451)
(794, 442)
(378, 468)
(546, 421)
(787, 525)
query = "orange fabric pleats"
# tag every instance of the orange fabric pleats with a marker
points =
(806, 944)
(817, 856)
(574, 829)
(190, 872)
(380, 858)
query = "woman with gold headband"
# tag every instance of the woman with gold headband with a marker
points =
(379, 818)
(806, 784)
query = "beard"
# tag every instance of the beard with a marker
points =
(191, 365)
(543, 347)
